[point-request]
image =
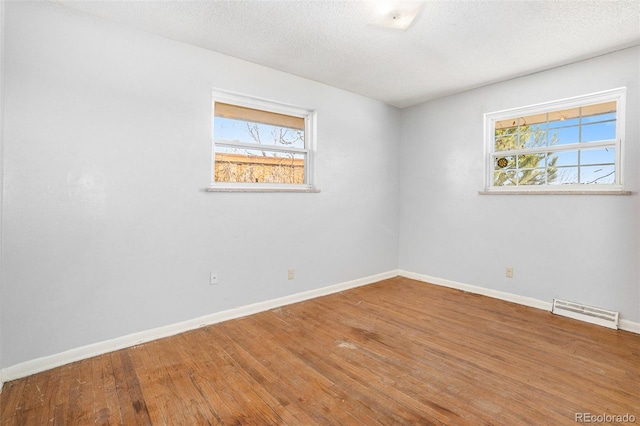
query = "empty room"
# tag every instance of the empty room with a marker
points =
(319, 212)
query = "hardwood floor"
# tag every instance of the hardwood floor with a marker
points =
(395, 352)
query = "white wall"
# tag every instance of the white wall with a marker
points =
(580, 248)
(107, 229)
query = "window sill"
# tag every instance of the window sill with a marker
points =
(224, 188)
(559, 192)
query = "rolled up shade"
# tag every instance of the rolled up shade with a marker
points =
(258, 116)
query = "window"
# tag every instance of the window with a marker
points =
(260, 145)
(568, 145)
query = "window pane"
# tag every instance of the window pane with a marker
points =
(565, 117)
(505, 163)
(564, 123)
(567, 158)
(506, 138)
(597, 156)
(508, 178)
(599, 131)
(597, 174)
(533, 136)
(533, 120)
(565, 175)
(256, 133)
(531, 177)
(564, 135)
(506, 143)
(551, 167)
(599, 117)
(507, 127)
(261, 166)
(596, 110)
(531, 161)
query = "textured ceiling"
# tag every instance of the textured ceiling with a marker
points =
(451, 46)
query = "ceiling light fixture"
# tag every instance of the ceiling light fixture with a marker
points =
(395, 14)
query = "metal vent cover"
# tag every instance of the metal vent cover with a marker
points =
(586, 313)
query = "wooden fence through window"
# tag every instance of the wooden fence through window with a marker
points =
(261, 169)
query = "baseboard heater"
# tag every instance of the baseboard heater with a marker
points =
(586, 313)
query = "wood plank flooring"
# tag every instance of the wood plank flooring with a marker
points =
(398, 352)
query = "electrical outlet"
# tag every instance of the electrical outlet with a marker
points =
(290, 274)
(509, 272)
(213, 278)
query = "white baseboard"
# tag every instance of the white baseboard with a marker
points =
(509, 297)
(30, 367)
(626, 325)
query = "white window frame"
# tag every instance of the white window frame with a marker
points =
(246, 101)
(618, 95)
